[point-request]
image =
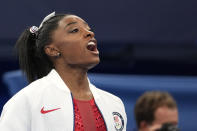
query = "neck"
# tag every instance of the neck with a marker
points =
(77, 81)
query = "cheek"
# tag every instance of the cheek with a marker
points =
(72, 50)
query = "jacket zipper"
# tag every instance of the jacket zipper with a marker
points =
(73, 113)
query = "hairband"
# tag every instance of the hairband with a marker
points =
(34, 29)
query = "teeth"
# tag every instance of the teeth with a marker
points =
(91, 43)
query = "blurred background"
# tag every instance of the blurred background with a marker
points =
(144, 45)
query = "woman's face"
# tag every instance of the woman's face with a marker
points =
(76, 42)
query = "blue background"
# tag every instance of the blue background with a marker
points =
(144, 45)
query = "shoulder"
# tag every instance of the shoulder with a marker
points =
(24, 94)
(110, 102)
(18, 109)
(107, 96)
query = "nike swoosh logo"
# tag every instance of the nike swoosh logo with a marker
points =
(47, 111)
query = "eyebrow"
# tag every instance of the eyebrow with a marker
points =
(70, 24)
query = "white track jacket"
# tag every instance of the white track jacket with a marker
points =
(47, 105)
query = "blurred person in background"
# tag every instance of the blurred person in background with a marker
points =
(156, 111)
(56, 57)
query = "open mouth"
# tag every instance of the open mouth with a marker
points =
(92, 46)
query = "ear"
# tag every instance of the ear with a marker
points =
(51, 50)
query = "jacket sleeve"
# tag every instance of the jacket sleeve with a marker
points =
(16, 114)
(124, 115)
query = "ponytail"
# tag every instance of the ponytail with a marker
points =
(30, 59)
(25, 47)
(30, 48)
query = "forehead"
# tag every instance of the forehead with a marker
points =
(70, 19)
(165, 114)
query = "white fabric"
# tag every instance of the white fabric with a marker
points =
(23, 111)
(47, 18)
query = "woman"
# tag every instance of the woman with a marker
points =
(56, 57)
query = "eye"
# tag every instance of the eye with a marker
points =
(74, 31)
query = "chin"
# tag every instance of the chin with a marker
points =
(93, 64)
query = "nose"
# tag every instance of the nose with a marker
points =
(89, 34)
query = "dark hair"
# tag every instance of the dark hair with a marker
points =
(149, 102)
(30, 49)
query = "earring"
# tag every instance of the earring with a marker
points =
(58, 54)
